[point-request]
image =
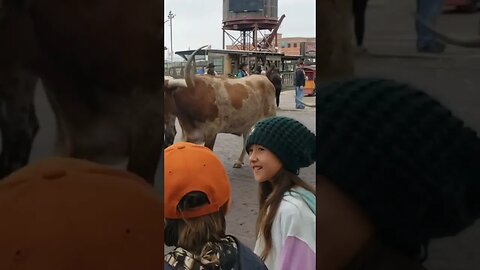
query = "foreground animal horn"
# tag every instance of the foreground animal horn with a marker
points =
(468, 43)
(188, 68)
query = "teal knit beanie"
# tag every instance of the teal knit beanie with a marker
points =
(288, 139)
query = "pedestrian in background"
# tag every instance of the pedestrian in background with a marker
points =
(243, 71)
(273, 74)
(211, 69)
(359, 10)
(299, 83)
(257, 69)
(428, 11)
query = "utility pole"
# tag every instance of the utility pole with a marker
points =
(170, 17)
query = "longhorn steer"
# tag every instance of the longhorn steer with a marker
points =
(207, 105)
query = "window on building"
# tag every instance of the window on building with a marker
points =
(294, 45)
(218, 62)
(288, 45)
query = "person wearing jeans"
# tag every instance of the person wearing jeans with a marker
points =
(428, 11)
(359, 9)
(299, 86)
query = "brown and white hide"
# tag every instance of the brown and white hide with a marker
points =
(208, 105)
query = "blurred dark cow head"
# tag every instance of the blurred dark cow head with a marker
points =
(101, 65)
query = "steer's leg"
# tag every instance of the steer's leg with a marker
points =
(210, 141)
(239, 162)
(18, 121)
(147, 137)
(146, 148)
(170, 130)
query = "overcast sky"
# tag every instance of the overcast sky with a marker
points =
(199, 22)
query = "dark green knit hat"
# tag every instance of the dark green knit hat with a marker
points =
(405, 158)
(288, 139)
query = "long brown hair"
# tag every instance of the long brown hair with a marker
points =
(270, 196)
(192, 234)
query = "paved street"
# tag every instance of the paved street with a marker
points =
(452, 77)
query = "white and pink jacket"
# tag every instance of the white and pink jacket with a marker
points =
(293, 235)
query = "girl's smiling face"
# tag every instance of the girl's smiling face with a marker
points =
(263, 163)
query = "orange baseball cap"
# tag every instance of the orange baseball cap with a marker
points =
(63, 213)
(190, 167)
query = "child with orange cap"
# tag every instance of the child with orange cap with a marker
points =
(65, 213)
(197, 197)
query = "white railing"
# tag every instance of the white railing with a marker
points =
(287, 79)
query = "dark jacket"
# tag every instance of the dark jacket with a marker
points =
(299, 77)
(242, 73)
(246, 259)
(210, 71)
(274, 76)
(376, 256)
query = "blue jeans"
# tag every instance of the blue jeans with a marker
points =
(427, 10)
(299, 93)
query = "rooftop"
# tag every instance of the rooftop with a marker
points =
(186, 53)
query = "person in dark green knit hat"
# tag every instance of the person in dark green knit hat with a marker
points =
(396, 169)
(278, 147)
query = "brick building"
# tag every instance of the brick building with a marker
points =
(301, 46)
(290, 46)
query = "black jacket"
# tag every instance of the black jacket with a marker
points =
(376, 256)
(299, 77)
(167, 266)
(246, 259)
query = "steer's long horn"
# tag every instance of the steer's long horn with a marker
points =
(188, 68)
(469, 43)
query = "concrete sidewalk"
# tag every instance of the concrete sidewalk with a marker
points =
(390, 30)
(287, 101)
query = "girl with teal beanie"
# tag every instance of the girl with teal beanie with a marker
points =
(278, 147)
